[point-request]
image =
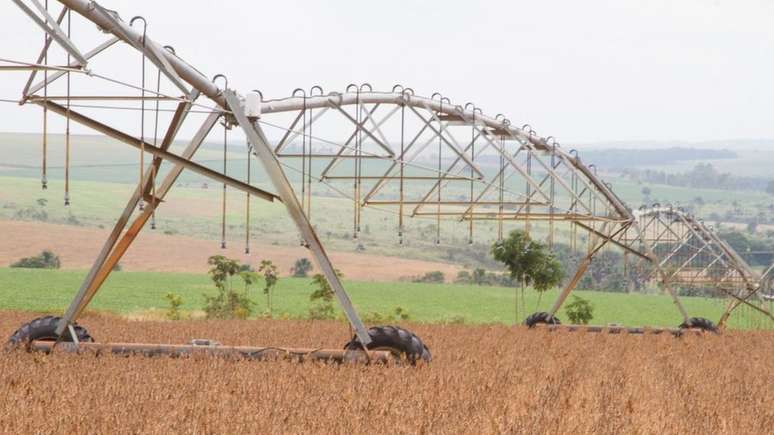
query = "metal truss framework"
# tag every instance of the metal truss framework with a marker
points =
(420, 157)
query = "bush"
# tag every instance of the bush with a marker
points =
(435, 276)
(397, 314)
(175, 302)
(322, 298)
(301, 268)
(227, 303)
(46, 260)
(579, 311)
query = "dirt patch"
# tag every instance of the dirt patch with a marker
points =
(155, 251)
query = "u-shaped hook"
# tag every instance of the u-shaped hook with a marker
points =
(297, 90)
(351, 85)
(225, 79)
(319, 88)
(258, 92)
(144, 26)
(170, 49)
(370, 88)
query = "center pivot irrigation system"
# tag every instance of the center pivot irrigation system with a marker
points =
(395, 151)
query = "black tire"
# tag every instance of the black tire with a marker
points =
(700, 323)
(44, 329)
(402, 343)
(542, 317)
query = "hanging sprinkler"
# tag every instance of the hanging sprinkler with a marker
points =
(142, 112)
(225, 167)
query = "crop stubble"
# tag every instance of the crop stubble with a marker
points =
(484, 379)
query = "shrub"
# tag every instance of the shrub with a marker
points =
(175, 302)
(579, 311)
(270, 278)
(397, 314)
(435, 276)
(322, 298)
(301, 268)
(227, 303)
(46, 260)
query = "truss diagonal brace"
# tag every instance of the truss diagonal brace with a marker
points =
(158, 152)
(53, 29)
(134, 229)
(51, 78)
(265, 153)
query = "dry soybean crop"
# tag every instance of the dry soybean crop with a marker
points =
(484, 379)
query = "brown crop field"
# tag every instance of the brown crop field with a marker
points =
(484, 379)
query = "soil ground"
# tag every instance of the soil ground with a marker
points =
(158, 252)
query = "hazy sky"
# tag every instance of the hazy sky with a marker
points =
(579, 70)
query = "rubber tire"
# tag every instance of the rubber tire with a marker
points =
(700, 323)
(401, 342)
(44, 329)
(541, 317)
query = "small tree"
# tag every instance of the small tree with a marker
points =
(175, 302)
(322, 298)
(270, 278)
(528, 261)
(228, 303)
(579, 311)
(301, 268)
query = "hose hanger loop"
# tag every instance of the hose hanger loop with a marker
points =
(225, 80)
(170, 49)
(370, 88)
(316, 87)
(258, 92)
(144, 26)
(350, 86)
(405, 95)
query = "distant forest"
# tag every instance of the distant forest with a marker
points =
(612, 159)
(703, 175)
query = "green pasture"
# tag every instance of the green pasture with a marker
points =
(136, 292)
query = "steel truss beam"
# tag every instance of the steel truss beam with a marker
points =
(585, 192)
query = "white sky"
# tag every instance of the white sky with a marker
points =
(582, 71)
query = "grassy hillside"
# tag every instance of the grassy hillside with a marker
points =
(128, 292)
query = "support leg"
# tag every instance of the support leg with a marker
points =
(140, 221)
(265, 153)
(87, 289)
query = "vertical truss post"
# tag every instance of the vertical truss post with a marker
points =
(263, 151)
